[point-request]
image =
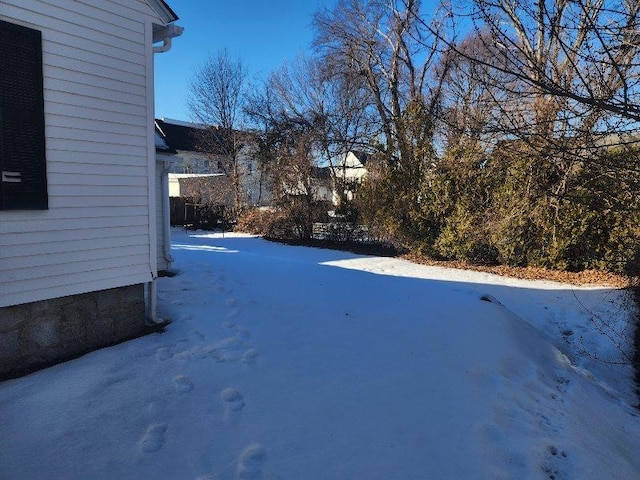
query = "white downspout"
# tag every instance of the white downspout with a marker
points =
(165, 47)
(165, 35)
(152, 293)
(166, 230)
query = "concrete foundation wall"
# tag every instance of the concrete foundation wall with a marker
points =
(39, 334)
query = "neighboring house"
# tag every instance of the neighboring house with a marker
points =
(191, 172)
(322, 184)
(179, 182)
(256, 184)
(78, 218)
(310, 181)
(200, 161)
(185, 139)
(350, 172)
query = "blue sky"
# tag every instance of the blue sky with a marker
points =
(264, 34)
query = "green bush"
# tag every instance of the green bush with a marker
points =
(518, 206)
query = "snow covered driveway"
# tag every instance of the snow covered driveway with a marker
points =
(296, 363)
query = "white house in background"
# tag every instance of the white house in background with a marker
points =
(176, 187)
(78, 196)
(184, 138)
(311, 181)
(194, 162)
(322, 184)
(350, 171)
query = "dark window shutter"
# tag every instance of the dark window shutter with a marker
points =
(23, 181)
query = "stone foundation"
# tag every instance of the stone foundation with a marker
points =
(40, 334)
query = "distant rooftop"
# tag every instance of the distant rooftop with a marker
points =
(180, 135)
(161, 142)
(360, 155)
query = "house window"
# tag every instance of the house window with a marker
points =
(23, 177)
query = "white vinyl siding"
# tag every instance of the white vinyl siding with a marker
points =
(97, 233)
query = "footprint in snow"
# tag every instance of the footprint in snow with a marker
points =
(233, 399)
(553, 450)
(182, 384)
(233, 402)
(153, 439)
(251, 461)
(562, 384)
(250, 356)
(219, 356)
(243, 333)
(555, 466)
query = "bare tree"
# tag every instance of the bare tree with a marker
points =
(334, 105)
(384, 43)
(572, 67)
(216, 99)
(472, 95)
(584, 51)
(289, 113)
(376, 40)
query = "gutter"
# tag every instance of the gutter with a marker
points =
(165, 35)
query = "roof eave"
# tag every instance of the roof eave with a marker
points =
(163, 10)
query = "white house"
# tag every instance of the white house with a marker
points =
(350, 171)
(184, 138)
(196, 161)
(78, 218)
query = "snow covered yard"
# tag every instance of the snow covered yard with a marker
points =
(297, 363)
